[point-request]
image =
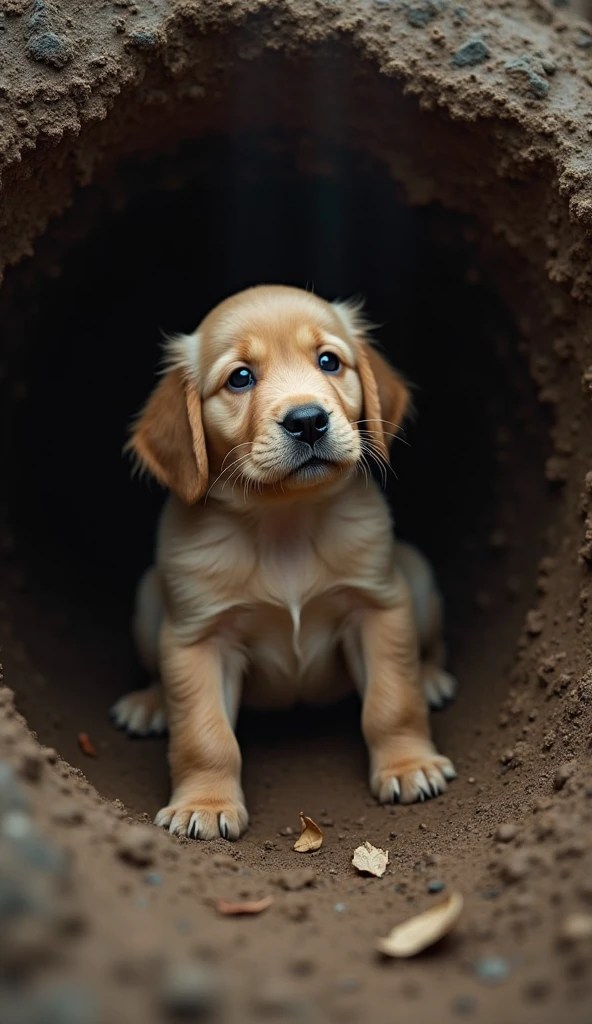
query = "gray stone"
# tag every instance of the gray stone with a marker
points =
(49, 49)
(464, 1004)
(60, 1004)
(143, 40)
(12, 795)
(539, 88)
(474, 52)
(492, 969)
(420, 14)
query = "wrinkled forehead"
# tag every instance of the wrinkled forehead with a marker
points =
(255, 328)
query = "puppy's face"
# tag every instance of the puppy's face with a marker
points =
(281, 395)
(277, 393)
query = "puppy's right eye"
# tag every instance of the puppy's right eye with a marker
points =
(240, 379)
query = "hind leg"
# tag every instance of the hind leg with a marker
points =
(439, 686)
(142, 712)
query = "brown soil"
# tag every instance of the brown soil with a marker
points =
(154, 158)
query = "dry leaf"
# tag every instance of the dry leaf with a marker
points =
(310, 838)
(370, 859)
(85, 745)
(250, 907)
(424, 930)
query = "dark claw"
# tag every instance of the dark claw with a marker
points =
(222, 827)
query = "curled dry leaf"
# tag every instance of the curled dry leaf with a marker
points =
(416, 934)
(227, 907)
(370, 859)
(85, 745)
(310, 838)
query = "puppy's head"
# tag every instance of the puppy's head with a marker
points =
(277, 392)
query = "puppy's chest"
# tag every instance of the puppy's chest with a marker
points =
(297, 609)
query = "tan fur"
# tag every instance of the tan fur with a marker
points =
(281, 584)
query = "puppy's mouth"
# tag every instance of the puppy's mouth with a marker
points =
(312, 468)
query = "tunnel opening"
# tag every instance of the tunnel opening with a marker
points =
(81, 350)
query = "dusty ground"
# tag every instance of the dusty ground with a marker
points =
(306, 107)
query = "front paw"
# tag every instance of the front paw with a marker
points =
(198, 815)
(412, 777)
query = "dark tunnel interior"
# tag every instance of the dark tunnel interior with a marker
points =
(82, 348)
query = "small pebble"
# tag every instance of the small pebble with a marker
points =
(49, 49)
(12, 794)
(62, 1003)
(67, 813)
(189, 991)
(143, 40)
(348, 983)
(153, 878)
(464, 1004)
(537, 989)
(436, 886)
(563, 773)
(31, 763)
(492, 969)
(515, 867)
(277, 999)
(470, 54)
(490, 894)
(419, 14)
(576, 928)
(17, 825)
(583, 40)
(136, 845)
(505, 833)
(303, 966)
(339, 908)
(293, 881)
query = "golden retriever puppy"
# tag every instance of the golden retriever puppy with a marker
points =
(278, 577)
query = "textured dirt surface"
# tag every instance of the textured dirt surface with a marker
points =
(480, 119)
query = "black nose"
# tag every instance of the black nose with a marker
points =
(306, 422)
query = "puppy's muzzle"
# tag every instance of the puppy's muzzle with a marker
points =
(308, 423)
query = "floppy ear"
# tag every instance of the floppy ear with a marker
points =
(168, 438)
(385, 394)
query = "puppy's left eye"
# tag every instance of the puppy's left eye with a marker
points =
(329, 363)
(240, 379)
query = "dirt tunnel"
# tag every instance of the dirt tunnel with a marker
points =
(467, 482)
(238, 165)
